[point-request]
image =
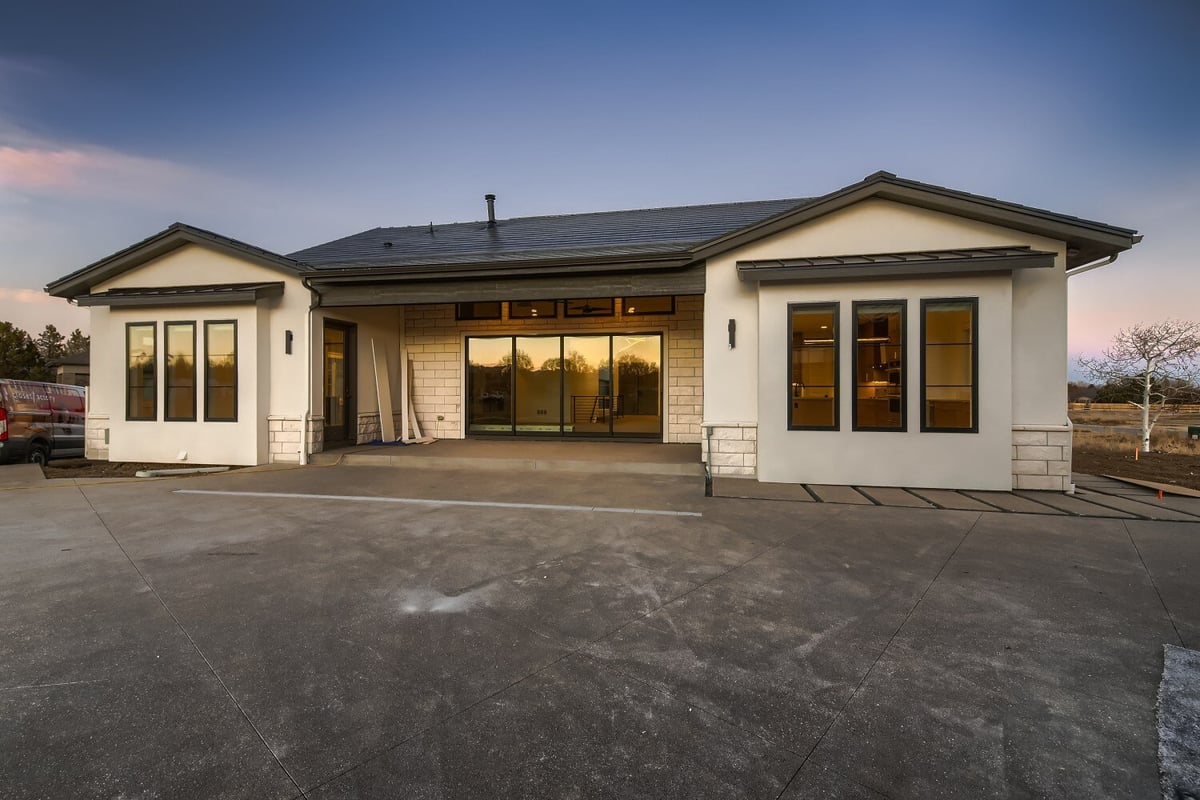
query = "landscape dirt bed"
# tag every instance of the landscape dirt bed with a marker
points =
(85, 468)
(1178, 469)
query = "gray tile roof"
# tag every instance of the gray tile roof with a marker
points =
(603, 234)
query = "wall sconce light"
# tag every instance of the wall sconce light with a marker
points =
(287, 342)
(732, 333)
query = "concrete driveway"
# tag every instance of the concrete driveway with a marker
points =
(163, 644)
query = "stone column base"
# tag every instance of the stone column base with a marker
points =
(734, 448)
(1041, 457)
(284, 440)
(95, 437)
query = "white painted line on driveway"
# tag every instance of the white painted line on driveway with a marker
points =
(422, 502)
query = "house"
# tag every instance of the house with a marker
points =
(889, 333)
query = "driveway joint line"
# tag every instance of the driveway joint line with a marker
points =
(882, 653)
(420, 501)
(1153, 583)
(192, 642)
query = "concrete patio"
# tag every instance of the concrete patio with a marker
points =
(333, 632)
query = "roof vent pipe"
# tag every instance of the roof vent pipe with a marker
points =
(491, 201)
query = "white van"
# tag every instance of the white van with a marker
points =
(40, 421)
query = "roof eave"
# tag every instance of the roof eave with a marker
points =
(499, 269)
(160, 244)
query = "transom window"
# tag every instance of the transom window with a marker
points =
(813, 367)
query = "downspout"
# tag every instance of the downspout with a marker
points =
(308, 350)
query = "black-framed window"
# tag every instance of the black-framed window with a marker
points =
(646, 306)
(880, 371)
(533, 309)
(179, 378)
(813, 366)
(469, 311)
(950, 365)
(141, 384)
(220, 371)
(590, 307)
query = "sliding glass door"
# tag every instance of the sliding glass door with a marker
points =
(565, 385)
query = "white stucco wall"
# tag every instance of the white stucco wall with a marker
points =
(1022, 352)
(270, 382)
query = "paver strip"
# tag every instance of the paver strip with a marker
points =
(891, 496)
(1149, 509)
(1007, 501)
(956, 501)
(838, 494)
(1075, 505)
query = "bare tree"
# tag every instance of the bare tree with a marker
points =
(1163, 358)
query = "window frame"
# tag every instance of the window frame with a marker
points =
(153, 325)
(974, 303)
(625, 305)
(836, 306)
(236, 371)
(166, 370)
(854, 424)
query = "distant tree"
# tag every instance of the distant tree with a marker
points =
(1162, 358)
(635, 366)
(1078, 391)
(1122, 390)
(77, 343)
(523, 360)
(574, 363)
(19, 356)
(51, 344)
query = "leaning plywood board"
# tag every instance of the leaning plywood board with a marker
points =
(383, 392)
(1169, 488)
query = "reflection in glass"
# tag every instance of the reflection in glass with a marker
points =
(335, 384)
(638, 396)
(951, 371)
(141, 397)
(813, 378)
(220, 387)
(181, 371)
(489, 378)
(539, 384)
(587, 378)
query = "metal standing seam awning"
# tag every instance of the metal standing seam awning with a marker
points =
(917, 264)
(209, 294)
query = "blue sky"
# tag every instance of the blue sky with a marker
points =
(288, 124)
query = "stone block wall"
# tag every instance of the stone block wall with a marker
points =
(95, 437)
(435, 345)
(1041, 457)
(734, 449)
(284, 438)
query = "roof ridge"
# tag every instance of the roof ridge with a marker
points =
(797, 200)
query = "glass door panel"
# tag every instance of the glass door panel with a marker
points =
(539, 384)
(587, 385)
(637, 406)
(338, 380)
(489, 378)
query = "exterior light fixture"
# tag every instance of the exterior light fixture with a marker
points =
(287, 342)
(732, 333)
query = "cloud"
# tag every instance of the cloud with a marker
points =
(32, 309)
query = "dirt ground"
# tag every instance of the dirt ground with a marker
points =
(1108, 454)
(83, 468)
(1167, 423)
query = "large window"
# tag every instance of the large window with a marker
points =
(950, 365)
(220, 371)
(180, 375)
(879, 397)
(813, 367)
(141, 389)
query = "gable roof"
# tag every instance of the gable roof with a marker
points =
(607, 234)
(1086, 240)
(629, 242)
(160, 244)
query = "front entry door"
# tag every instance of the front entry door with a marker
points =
(340, 418)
